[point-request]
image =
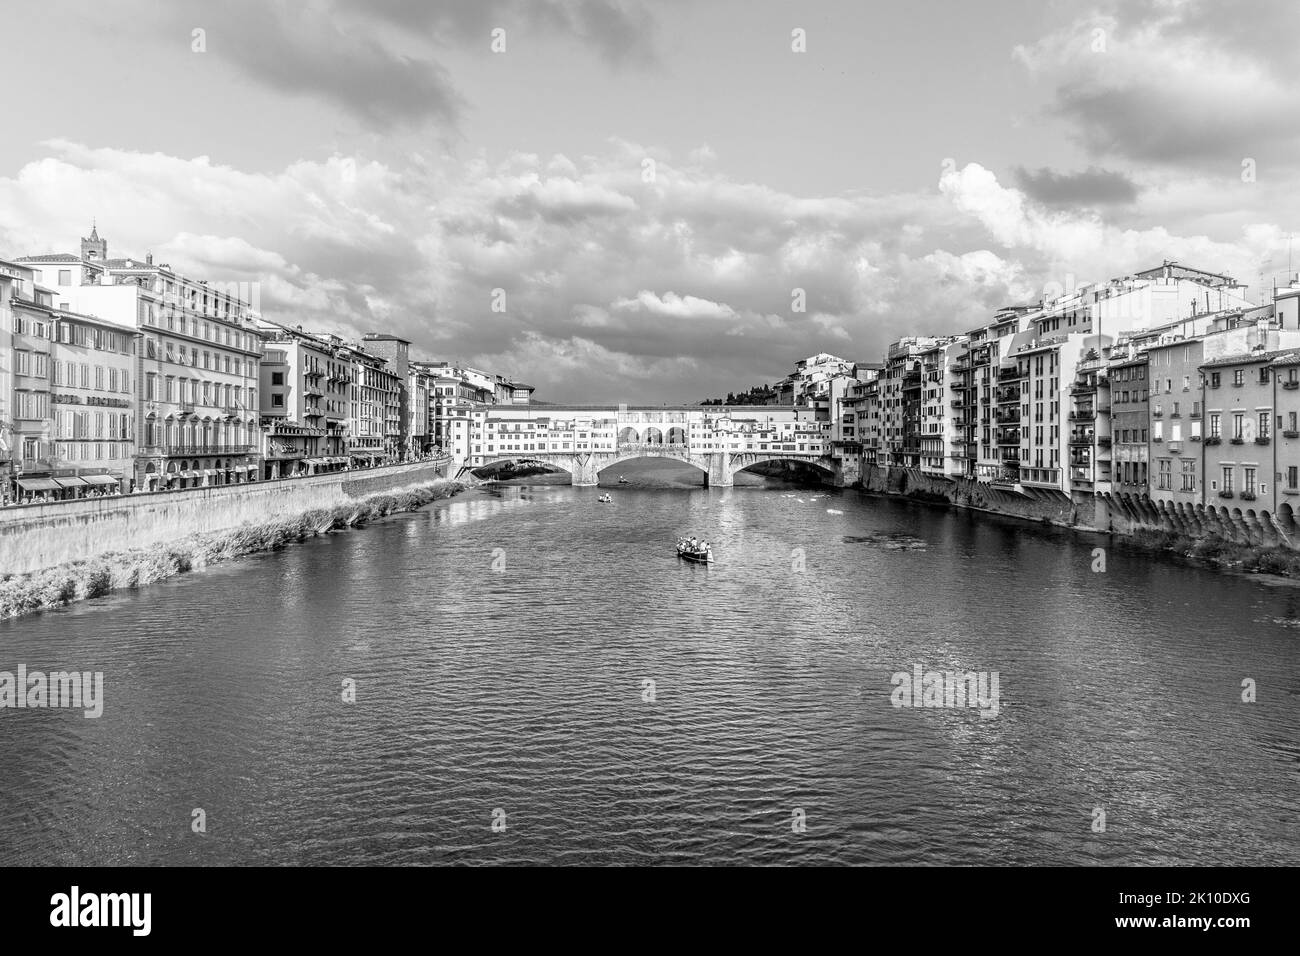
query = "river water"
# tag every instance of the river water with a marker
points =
(521, 694)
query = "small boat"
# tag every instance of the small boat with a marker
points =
(605, 499)
(623, 481)
(700, 557)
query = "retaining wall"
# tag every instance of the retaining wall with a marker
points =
(33, 537)
(1117, 514)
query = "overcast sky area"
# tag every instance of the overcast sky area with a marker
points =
(378, 167)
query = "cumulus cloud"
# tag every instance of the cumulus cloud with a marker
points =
(613, 287)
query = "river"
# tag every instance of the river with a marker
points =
(502, 646)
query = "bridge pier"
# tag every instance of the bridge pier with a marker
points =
(586, 472)
(718, 474)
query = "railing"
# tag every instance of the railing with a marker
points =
(172, 450)
(678, 447)
(1290, 385)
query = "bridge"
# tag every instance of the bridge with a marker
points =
(584, 440)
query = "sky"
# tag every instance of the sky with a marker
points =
(626, 200)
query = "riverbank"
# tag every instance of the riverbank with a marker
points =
(1212, 549)
(78, 580)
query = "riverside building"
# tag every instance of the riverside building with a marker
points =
(305, 395)
(196, 375)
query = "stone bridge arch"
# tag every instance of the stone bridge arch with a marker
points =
(748, 460)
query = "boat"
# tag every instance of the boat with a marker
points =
(699, 557)
(605, 499)
(623, 481)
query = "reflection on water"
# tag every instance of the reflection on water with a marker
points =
(501, 644)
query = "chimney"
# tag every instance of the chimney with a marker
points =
(148, 258)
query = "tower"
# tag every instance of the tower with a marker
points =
(94, 248)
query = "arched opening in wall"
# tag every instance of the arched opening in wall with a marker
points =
(522, 470)
(653, 436)
(783, 472)
(628, 436)
(677, 435)
(1286, 517)
(652, 471)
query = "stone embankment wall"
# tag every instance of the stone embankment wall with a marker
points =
(34, 537)
(1124, 515)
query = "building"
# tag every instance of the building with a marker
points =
(375, 422)
(305, 390)
(1130, 423)
(1239, 408)
(396, 353)
(67, 396)
(196, 376)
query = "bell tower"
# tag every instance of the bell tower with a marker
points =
(94, 248)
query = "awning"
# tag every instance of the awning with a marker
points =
(72, 482)
(209, 472)
(37, 484)
(101, 479)
(189, 474)
(251, 467)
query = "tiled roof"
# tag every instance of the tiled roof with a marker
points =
(1246, 358)
(50, 257)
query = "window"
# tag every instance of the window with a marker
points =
(1293, 477)
(1227, 479)
(1214, 380)
(277, 401)
(1238, 422)
(1165, 476)
(65, 277)
(1263, 424)
(1248, 484)
(277, 378)
(1214, 424)
(1238, 378)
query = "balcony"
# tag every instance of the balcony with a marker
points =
(1085, 415)
(1157, 413)
(1248, 496)
(1291, 386)
(1291, 433)
(1261, 440)
(1225, 494)
(1157, 439)
(1214, 440)
(1174, 446)
(1103, 441)
(1237, 441)
(186, 408)
(1081, 438)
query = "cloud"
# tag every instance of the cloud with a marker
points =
(1090, 187)
(673, 306)
(613, 287)
(1183, 84)
(381, 61)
